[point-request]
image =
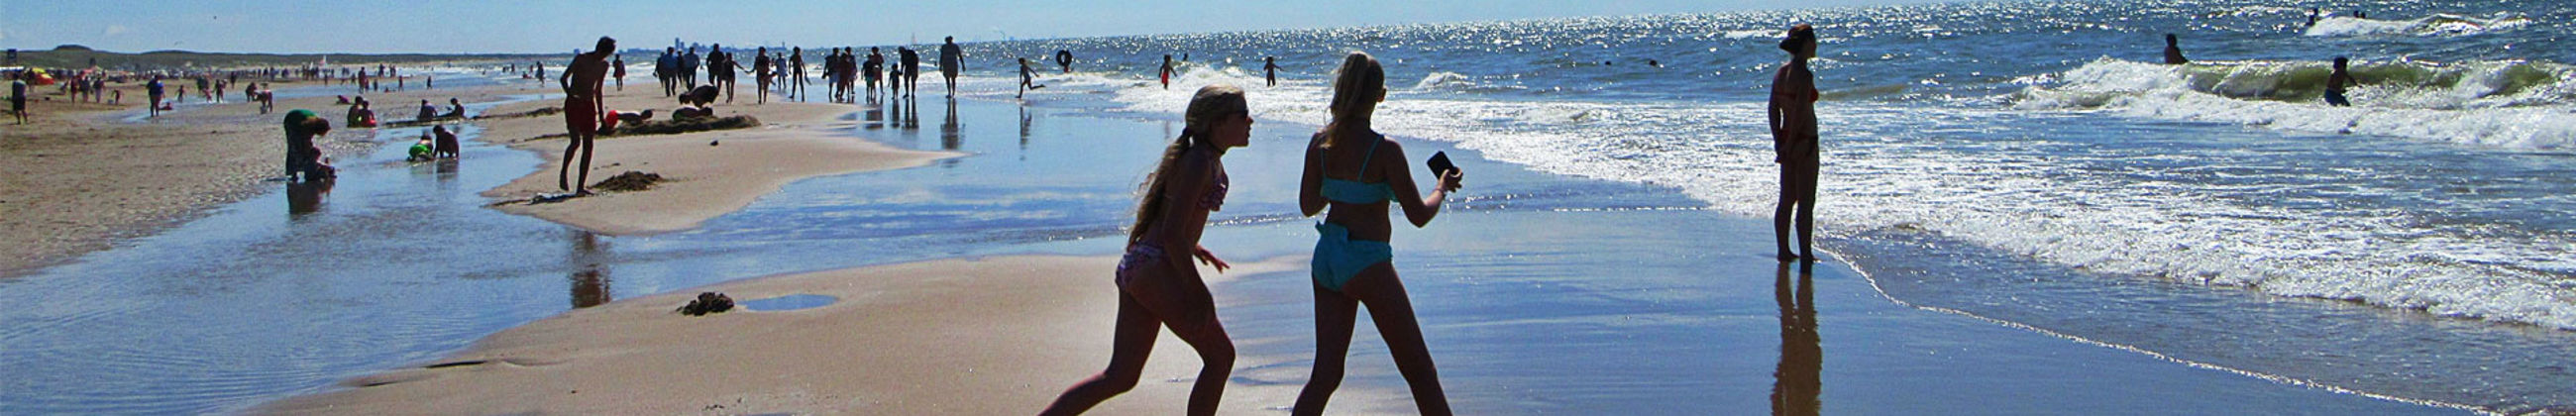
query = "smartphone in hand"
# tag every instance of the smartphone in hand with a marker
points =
(1440, 165)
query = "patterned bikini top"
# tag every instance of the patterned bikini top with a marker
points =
(1214, 199)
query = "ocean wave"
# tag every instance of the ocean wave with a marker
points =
(2513, 104)
(2435, 25)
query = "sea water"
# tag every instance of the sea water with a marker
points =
(2021, 160)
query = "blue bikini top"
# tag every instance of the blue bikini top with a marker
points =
(1356, 192)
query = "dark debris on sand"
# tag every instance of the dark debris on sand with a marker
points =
(706, 303)
(628, 182)
(679, 125)
(671, 126)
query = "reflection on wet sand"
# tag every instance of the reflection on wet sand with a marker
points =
(1025, 119)
(305, 197)
(1802, 356)
(876, 115)
(910, 110)
(950, 134)
(589, 279)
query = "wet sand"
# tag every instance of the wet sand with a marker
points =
(995, 335)
(83, 176)
(706, 174)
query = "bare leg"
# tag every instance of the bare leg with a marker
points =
(563, 177)
(1780, 217)
(1334, 316)
(1392, 311)
(581, 186)
(1127, 353)
(1216, 355)
(1807, 212)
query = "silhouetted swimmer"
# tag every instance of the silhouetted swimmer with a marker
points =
(1166, 72)
(760, 72)
(2357, 14)
(2337, 83)
(2173, 51)
(951, 60)
(911, 70)
(1653, 63)
(1064, 59)
(796, 69)
(583, 103)
(1157, 285)
(2312, 16)
(1270, 70)
(1352, 261)
(1794, 138)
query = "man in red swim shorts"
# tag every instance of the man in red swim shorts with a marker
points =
(582, 107)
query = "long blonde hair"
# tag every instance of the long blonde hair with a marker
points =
(1355, 92)
(1211, 105)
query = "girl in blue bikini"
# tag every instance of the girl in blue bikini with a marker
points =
(1356, 172)
(1156, 288)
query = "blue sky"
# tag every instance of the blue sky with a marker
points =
(544, 26)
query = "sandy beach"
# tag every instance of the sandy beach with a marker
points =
(995, 335)
(82, 176)
(705, 174)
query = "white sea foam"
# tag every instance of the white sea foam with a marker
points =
(2435, 25)
(2520, 105)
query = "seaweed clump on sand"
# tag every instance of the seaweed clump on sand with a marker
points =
(706, 303)
(679, 125)
(628, 182)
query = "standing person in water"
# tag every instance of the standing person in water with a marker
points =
(2173, 51)
(911, 70)
(154, 90)
(583, 104)
(2337, 83)
(1166, 72)
(1270, 70)
(951, 60)
(796, 68)
(875, 68)
(1357, 173)
(1157, 285)
(1064, 58)
(760, 72)
(1794, 137)
(618, 60)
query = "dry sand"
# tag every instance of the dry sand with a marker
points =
(80, 177)
(961, 336)
(706, 174)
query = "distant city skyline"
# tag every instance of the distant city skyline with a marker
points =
(484, 26)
